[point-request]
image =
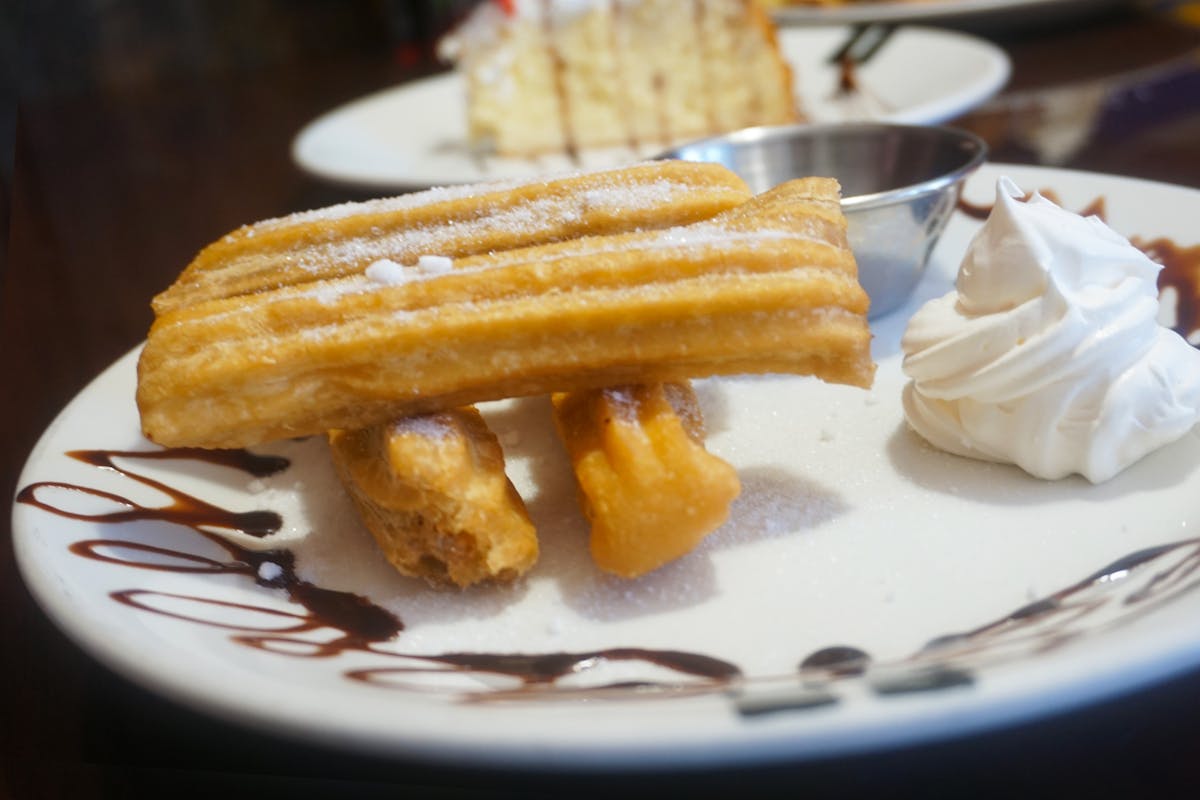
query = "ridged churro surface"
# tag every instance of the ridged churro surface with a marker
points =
(454, 222)
(769, 286)
(646, 484)
(433, 492)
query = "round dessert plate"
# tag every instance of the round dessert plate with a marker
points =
(977, 13)
(414, 135)
(867, 592)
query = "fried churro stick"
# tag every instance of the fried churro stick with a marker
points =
(770, 286)
(649, 488)
(454, 222)
(432, 491)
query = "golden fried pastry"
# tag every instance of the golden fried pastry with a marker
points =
(647, 485)
(769, 286)
(452, 222)
(433, 493)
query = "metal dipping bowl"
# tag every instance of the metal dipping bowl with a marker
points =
(900, 183)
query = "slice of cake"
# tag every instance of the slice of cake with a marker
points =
(546, 76)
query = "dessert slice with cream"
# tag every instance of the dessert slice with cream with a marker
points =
(550, 76)
(1048, 353)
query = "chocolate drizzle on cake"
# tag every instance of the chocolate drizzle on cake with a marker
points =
(553, 78)
(700, 12)
(559, 66)
(621, 72)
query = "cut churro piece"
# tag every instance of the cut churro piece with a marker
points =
(647, 485)
(770, 286)
(433, 493)
(453, 222)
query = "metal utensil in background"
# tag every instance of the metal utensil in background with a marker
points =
(863, 44)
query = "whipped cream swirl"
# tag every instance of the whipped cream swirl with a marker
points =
(1049, 355)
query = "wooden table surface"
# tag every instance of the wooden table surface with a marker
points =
(115, 189)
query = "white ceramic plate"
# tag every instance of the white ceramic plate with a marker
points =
(1005, 12)
(850, 533)
(414, 134)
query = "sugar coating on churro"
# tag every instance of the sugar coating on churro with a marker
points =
(768, 286)
(385, 272)
(609, 193)
(451, 221)
(646, 484)
(432, 491)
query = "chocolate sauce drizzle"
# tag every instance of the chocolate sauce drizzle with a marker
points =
(1054, 620)
(1181, 264)
(945, 662)
(837, 660)
(360, 622)
(980, 211)
(1181, 272)
(951, 661)
(362, 625)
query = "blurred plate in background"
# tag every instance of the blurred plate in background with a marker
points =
(414, 135)
(978, 14)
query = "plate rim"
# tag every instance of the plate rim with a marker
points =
(900, 11)
(946, 718)
(309, 136)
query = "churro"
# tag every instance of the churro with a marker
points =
(432, 491)
(769, 286)
(646, 484)
(453, 222)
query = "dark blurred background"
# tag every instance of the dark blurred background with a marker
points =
(78, 45)
(144, 129)
(64, 47)
(59, 52)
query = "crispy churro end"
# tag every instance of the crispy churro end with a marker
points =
(432, 491)
(646, 484)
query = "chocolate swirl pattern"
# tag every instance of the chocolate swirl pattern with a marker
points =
(360, 625)
(1111, 596)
